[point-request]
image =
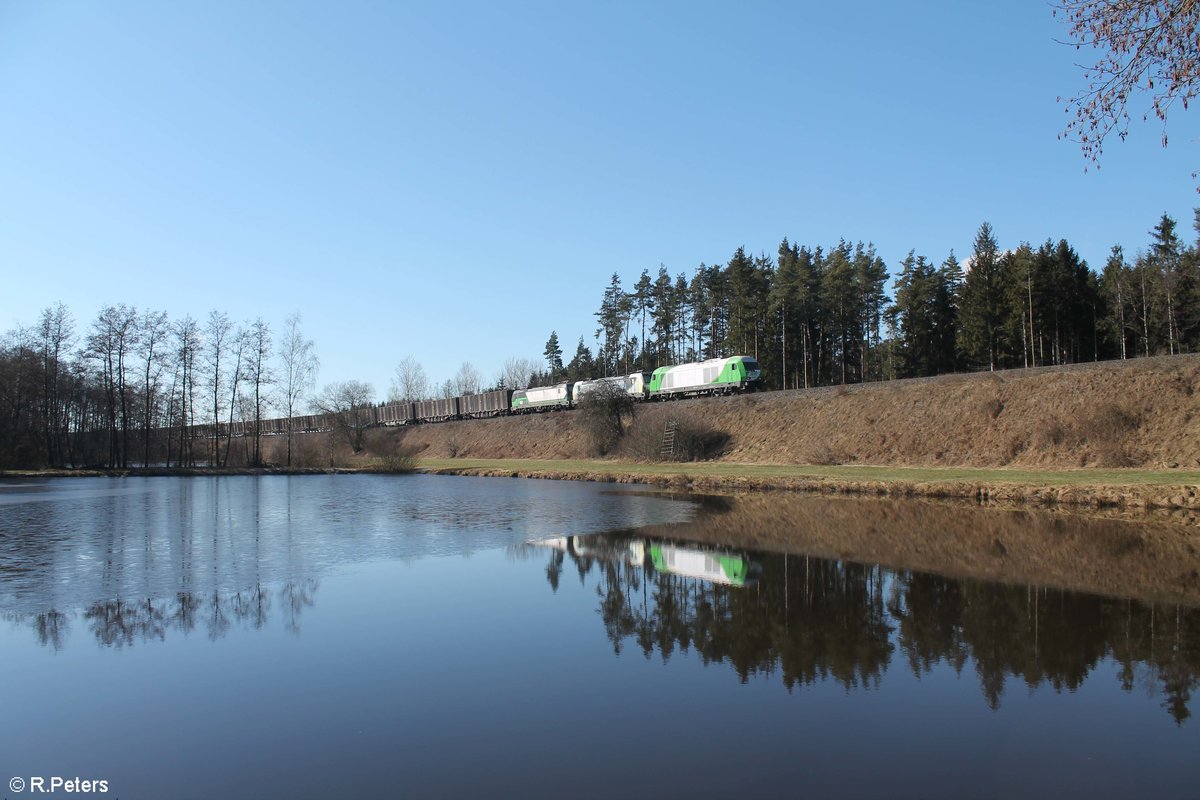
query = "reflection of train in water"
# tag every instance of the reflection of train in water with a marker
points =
(707, 564)
(712, 564)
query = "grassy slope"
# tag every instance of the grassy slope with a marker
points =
(1112, 433)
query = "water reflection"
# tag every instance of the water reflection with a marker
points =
(810, 619)
(807, 589)
(121, 623)
(68, 543)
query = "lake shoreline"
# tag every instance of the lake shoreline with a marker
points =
(183, 472)
(1081, 489)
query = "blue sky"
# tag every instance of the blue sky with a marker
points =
(454, 180)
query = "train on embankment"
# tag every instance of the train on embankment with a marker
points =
(716, 376)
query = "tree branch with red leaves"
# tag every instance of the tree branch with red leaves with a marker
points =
(1143, 47)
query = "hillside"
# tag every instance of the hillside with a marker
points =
(1137, 413)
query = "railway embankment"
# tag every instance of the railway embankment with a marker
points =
(1141, 413)
(1106, 434)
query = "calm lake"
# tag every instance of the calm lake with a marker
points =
(376, 636)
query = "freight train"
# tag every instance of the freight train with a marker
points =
(715, 376)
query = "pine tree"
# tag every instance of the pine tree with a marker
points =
(783, 304)
(553, 354)
(613, 317)
(983, 302)
(1188, 294)
(680, 297)
(643, 303)
(949, 281)
(740, 280)
(1076, 321)
(871, 276)
(1021, 267)
(714, 288)
(665, 313)
(840, 297)
(762, 332)
(581, 367)
(808, 291)
(915, 315)
(1115, 285)
(1165, 257)
(698, 301)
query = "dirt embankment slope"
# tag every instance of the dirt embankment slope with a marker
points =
(1140, 413)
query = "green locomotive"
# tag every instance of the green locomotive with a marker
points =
(714, 376)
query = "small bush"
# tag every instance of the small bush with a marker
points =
(1102, 429)
(401, 460)
(1053, 431)
(1014, 447)
(1107, 421)
(604, 414)
(1113, 454)
(308, 450)
(823, 454)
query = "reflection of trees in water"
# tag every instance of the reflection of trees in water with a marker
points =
(1046, 636)
(51, 627)
(812, 619)
(122, 623)
(832, 625)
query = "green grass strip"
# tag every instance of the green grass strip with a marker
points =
(1024, 477)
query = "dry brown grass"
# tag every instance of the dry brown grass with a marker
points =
(1134, 414)
(1102, 436)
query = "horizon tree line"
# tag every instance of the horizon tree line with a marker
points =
(136, 386)
(817, 316)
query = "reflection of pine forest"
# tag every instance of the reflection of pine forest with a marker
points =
(811, 620)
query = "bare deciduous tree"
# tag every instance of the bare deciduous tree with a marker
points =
(113, 336)
(187, 345)
(216, 334)
(467, 379)
(240, 343)
(348, 405)
(409, 382)
(516, 373)
(260, 376)
(300, 365)
(56, 333)
(153, 333)
(1144, 47)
